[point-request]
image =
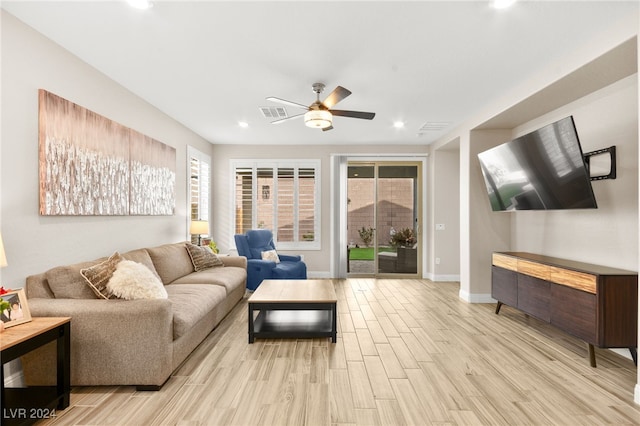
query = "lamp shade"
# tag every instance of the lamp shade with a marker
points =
(3, 257)
(318, 118)
(199, 227)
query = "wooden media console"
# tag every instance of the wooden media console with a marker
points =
(594, 303)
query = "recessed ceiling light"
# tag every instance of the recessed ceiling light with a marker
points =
(140, 4)
(243, 124)
(502, 4)
(398, 124)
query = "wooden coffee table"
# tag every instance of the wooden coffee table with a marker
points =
(293, 309)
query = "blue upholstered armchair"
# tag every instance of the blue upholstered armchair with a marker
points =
(252, 245)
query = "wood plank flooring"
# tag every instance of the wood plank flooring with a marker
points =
(409, 352)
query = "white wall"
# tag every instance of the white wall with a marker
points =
(607, 235)
(318, 261)
(35, 243)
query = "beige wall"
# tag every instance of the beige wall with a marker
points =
(445, 195)
(35, 243)
(488, 231)
(607, 235)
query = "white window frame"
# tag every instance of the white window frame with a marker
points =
(254, 165)
(205, 193)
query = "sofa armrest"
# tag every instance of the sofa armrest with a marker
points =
(113, 342)
(238, 261)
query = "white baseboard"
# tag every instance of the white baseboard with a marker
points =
(443, 277)
(476, 298)
(319, 274)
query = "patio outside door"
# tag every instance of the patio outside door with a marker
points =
(383, 219)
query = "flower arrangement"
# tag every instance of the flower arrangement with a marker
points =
(214, 247)
(4, 305)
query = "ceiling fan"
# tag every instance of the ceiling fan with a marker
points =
(319, 115)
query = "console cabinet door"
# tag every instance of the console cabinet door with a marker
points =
(504, 286)
(574, 311)
(534, 296)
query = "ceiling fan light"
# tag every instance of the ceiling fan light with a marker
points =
(318, 119)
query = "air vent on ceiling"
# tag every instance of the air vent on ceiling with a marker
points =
(434, 126)
(274, 112)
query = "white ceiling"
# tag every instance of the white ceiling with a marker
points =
(209, 64)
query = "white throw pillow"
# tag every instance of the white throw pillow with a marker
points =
(132, 280)
(271, 255)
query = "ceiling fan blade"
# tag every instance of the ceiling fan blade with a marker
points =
(338, 94)
(284, 101)
(282, 120)
(353, 114)
(327, 128)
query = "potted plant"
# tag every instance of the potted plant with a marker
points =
(366, 234)
(403, 238)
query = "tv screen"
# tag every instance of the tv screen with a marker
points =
(542, 170)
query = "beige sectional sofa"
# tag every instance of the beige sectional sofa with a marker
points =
(133, 342)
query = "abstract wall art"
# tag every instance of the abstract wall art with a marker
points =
(90, 165)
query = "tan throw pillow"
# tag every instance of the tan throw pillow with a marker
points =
(202, 257)
(99, 275)
(132, 280)
(271, 255)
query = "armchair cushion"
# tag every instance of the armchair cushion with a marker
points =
(271, 255)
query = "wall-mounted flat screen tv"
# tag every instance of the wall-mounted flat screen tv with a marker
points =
(542, 170)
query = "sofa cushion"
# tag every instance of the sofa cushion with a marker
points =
(192, 302)
(141, 256)
(97, 276)
(132, 280)
(66, 282)
(171, 261)
(229, 277)
(202, 257)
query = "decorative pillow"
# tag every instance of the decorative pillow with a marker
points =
(271, 255)
(202, 257)
(132, 280)
(99, 275)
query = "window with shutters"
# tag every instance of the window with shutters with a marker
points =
(281, 196)
(199, 187)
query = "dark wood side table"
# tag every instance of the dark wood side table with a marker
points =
(22, 406)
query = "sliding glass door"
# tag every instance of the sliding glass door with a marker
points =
(383, 218)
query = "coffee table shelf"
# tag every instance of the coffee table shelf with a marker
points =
(293, 309)
(271, 324)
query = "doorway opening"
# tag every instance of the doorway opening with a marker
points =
(383, 218)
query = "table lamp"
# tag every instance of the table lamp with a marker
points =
(199, 227)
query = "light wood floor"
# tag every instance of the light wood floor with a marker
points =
(409, 352)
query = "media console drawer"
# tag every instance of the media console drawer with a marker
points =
(597, 304)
